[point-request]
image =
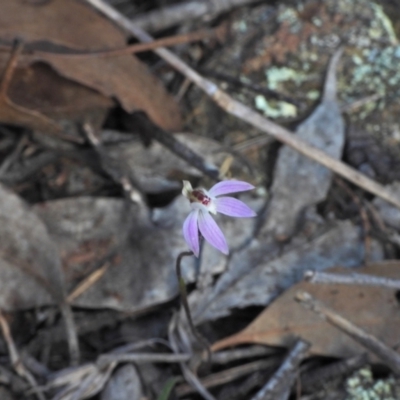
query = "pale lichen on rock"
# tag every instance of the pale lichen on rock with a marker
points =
(362, 386)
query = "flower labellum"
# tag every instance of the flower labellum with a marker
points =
(204, 203)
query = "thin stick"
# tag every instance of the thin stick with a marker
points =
(245, 113)
(88, 282)
(115, 170)
(175, 146)
(142, 358)
(352, 278)
(175, 14)
(134, 48)
(228, 375)
(385, 353)
(15, 358)
(72, 336)
(285, 376)
(183, 292)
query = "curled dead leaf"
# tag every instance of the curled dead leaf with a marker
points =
(48, 27)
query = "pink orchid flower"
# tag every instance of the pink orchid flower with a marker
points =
(203, 203)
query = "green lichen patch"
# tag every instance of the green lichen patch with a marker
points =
(362, 386)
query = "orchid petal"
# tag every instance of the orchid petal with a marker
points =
(226, 187)
(191, 232)
(233, 207)
(211, 232)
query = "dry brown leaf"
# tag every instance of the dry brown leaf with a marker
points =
(14, 114)
(40, 88)
(71, 24)
(374, 309)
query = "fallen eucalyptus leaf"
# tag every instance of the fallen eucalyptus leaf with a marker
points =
(374, 309)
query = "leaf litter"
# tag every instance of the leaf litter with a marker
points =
(123, 77)
(119, 254)
(31, 272)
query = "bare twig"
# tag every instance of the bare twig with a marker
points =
(385, 353)
(142, 358)
(285, 376)
(116, 170)
(228, 356)
(228, 375)
(16, 360)
(352, 278)
(134, 48)
(175, 14)
(245, 113)
(175, 146)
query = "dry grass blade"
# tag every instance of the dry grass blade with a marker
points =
(16, 359)
(88, 282)
(247, 114)
(226, 376)
(91, 382)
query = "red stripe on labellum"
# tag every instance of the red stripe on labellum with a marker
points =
(200, 197)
